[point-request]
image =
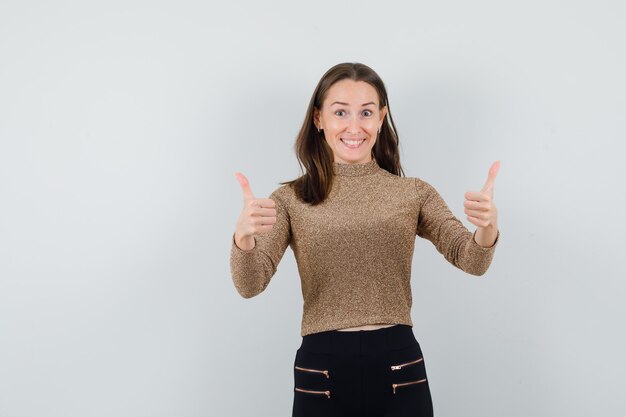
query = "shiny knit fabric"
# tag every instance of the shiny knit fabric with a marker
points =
(354, 250)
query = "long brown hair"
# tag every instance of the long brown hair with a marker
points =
(316, 156)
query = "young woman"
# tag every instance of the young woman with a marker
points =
(351, 221)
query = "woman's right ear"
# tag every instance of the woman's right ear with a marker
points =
(316, 118)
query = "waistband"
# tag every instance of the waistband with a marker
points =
(359, 341)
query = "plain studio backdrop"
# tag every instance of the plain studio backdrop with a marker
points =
(122, 124)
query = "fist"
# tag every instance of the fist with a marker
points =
(479, 206)
(257, 216)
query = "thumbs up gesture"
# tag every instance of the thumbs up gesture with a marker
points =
(258, 215)
(480, 208)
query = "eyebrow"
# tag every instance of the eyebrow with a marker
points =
(345, 104)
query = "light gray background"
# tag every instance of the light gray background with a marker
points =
(122, 124)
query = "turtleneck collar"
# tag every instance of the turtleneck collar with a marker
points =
(356, 170)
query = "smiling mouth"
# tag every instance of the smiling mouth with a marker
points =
(352, 144)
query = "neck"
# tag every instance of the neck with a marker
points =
(355, 170)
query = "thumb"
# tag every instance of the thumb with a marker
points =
(491, 177)
(245, 186)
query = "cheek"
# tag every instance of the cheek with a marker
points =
(371, 126)
(335, 125)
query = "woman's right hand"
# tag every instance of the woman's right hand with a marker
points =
(258, 216)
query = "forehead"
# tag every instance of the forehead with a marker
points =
(352, 92)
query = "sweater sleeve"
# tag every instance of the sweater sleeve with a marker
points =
(451, 238)
(252, 270)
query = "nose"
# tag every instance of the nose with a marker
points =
(353, 125)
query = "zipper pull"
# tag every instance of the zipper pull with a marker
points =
(396, 367)
(325, 372)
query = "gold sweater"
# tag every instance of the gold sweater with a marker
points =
(354, 250)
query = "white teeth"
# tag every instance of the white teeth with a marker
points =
(352, 142)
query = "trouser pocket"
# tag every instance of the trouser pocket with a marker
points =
(408, 381)
(313, 384)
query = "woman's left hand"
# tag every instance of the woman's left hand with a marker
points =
(479, 206)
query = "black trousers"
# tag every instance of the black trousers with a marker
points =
(364, 373)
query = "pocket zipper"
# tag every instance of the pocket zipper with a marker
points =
(406, 383)
(327, 393)
(325, 372)
(397, 367)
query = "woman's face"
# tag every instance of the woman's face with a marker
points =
(350, 120)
